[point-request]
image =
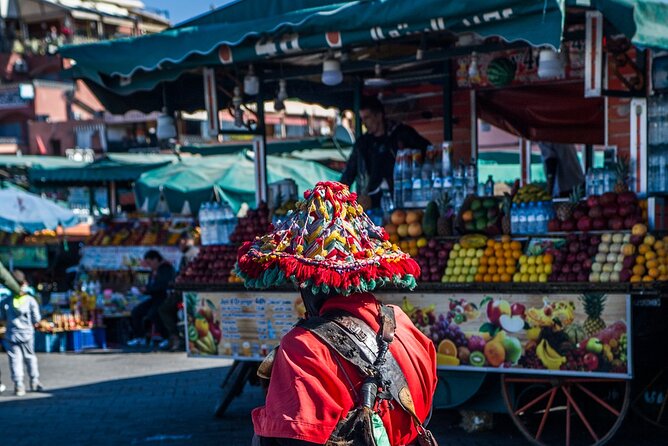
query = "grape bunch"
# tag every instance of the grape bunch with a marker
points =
(530, 360)
(443, 328)
(623, 347)
(574, 359)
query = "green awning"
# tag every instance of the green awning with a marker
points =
(273, 147)
(32, 161)
(122, 168)
(194, 179)
(645, 22)
(132, 64)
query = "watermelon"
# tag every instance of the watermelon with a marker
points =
(501, 71)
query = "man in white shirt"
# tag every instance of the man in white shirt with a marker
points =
(562, 168)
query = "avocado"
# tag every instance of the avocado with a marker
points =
(481, 224)
(430, 219)
(488, 203)
(479, 214)
(492, 212)
(469, 226)
(475, 204)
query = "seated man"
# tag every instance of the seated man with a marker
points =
(162, 278)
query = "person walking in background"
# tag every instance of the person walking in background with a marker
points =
(21, 313)
(8, 281)
(162, 278)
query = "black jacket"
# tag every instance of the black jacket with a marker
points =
(161, 281)
(376, 156)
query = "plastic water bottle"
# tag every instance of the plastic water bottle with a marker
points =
(437, 186)
(522, 222)
(398, 178)
(472, 177)
(416, 177)
(220, 229)
(541, 219)
(204, 215)
(231, 221)
(489, 187)
(590, 182)
(514, 219)
(427, 169)
(386, 203)
(531, 219)
(407, 178)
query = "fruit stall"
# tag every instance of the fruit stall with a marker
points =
(544, 307)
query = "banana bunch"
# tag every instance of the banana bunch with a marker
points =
(536, 317)
(531, 193)
(557, 316)
(550, 358)
(473, 241)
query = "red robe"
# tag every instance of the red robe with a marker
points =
(309, 392)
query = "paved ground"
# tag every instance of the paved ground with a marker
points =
(168, 399)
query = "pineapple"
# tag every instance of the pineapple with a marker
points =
(505, 221)
(593, 303)
(444, 222)
(622, 170)
(564, 210)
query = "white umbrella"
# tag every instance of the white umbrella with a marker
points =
(23, 211)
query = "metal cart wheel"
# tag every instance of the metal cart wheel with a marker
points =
(566, 410)
(651, 403)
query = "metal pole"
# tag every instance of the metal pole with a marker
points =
(112, 198)
(260, 145)
(447, 101)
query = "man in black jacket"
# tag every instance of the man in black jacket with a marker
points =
(375, 152)
(162, 278)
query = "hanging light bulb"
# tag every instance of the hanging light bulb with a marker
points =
(251, 82)
(331, 71)
(549, 64)
(238, 113)
(474, 72)
(281, 96)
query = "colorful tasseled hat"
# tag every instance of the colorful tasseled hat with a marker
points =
(328, 244)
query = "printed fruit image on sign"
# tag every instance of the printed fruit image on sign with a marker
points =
(574, 334)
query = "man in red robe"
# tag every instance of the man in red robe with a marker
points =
(336, 256)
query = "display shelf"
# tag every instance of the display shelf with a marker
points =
(547, 288)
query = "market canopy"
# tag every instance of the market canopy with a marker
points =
(241, 33)
(113, 167)
(194, 180)
(273, 147)
(21, 211)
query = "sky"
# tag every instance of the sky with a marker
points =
(180, 10)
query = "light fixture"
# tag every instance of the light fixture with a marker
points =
(238, 112)
(251, 82)
(331, 72)
(281, 96)
(549, 64)
(474, 72)
(378, 81)
(165, 128)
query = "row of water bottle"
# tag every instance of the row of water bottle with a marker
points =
(417, 180)
(600, 180)
(530, 218)
(657, 169)
(217, 222)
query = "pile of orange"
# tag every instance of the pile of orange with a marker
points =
(499, 261)
(652, 260)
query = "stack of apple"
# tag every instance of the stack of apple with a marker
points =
(213, 265)
(600, 212)
(573, 261)
(433, 258)
(255, 223)
(614, 259)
